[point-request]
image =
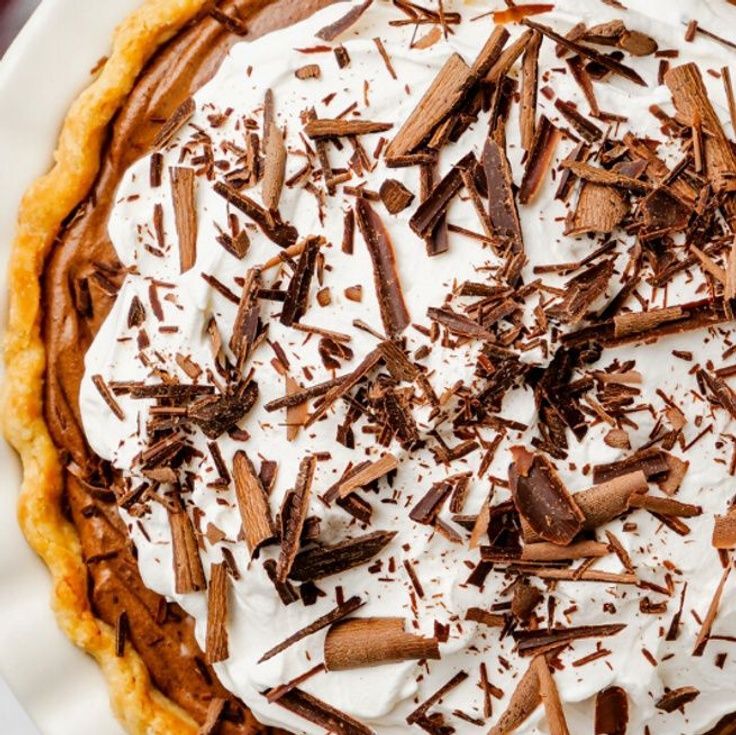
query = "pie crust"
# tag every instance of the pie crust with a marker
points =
(136, 702)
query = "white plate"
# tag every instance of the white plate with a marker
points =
(47, 66)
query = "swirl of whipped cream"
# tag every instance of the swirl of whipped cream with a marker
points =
(382, 697)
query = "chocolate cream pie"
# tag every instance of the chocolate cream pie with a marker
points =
(370, 365)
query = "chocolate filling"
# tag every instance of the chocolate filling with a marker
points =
(79, 288)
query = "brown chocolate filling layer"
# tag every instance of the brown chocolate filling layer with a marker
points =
(80, 285)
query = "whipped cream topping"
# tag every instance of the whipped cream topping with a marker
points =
(638, 659)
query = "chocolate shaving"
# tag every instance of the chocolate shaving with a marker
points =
(295, 415)
(216, 644)
(431, 210)
(478, 615)
(183, 197)
(610, 498)
(515, 13)
(345, 385)
(677, 699)
(664, 506)
(525, 699)
(395, 196)
(217, 414)
(529, 83)
(652, 462)
(542, 499)
(420, 712)
(188, 570)
(213, 719)
(271, 225)
(589, 130)
(297, 295)
(607, 62)
(394, 314)
(600, 209)
(525, 599)
(245, 326)
(710, 617)
(720, 390)
(363, 642)
(611, 712)
(371, 472)
(546, 552)
(274, 167)
(107, 395)
(539, 160)
(293, 514)
(122, 633)
(252, 502)
(603, 176)
(324, 561)
(178, 119)
(446, 92)
(332, 31)
(308, 71)
(460, 324)
(427, 509)
(276, 693)
(285, 590)
(303, 394)
(321, 714)
(724, 531)
(325, 621)
(326, 128)
(550, 698)
(537, 642)
(693, 104)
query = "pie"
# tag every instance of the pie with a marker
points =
(371, 367)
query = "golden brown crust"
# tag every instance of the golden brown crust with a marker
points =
(48, 201)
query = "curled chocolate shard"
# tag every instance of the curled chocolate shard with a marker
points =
(542, 499)
(361, 642)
